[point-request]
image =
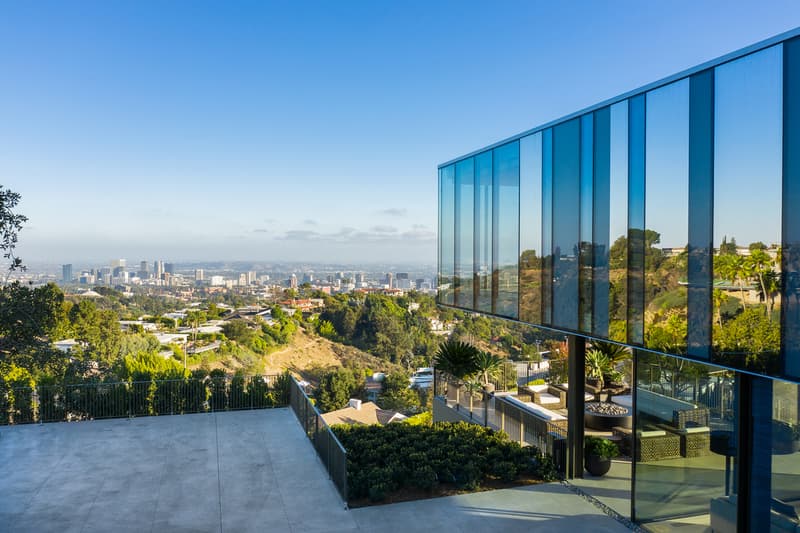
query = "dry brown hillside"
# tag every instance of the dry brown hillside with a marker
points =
(309, 352)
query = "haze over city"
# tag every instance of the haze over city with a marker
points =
(300, 132)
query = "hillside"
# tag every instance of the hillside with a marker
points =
(307, 353)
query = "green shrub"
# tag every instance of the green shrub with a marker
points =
(600, 447)
(536, 382)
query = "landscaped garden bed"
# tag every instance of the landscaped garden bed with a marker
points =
(402, 462)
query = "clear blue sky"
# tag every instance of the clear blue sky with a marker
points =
(302, 130)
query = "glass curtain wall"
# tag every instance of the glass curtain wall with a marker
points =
(747, 210)
(530, 232)
(784, 481)
(666, 218)
(446, 235)
(685, 444)
(483, 232)
(464, 226)
(505, 230)
(617, 297)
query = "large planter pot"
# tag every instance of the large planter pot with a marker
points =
(489, 388)
(596, 465)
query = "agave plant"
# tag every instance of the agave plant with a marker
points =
(597, 364)
(459, 359)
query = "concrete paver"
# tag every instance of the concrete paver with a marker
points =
(235, 471)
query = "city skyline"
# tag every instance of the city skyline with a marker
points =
(300, 133)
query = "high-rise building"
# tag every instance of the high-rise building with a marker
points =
(198, 274)
(66, 273)
(293, 281)
(251, 277)
(144, 270)
(562, 227)
(390, 280)
(117, 263)
(158, 269)
(169, 268)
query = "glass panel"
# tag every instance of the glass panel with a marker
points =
(666, 217)
(600, 216)
(483, 232)
(505, 247)
(586, 224)
(747, 210)
(465, 223)
(447, 235)
(530, 231)
(701, 213)
(547, 226)
(785, 479)
(636, 238)
(566, 220)
(618, 225)
(684, 444)
(791, 199)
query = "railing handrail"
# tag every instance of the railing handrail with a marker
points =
(319, 415)
(108, 383)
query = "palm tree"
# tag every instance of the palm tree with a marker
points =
(720, 297)
(488, 364)
(459, 359)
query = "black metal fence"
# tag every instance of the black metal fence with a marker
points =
(496, 411)
(329, 449)
(90, 401)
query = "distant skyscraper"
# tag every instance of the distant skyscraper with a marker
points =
(293, 281)
(158, 269)
(199, 275)
(169, 268)
(402, 275)
(66, 273)
(359, 278)
(390, 280)
(117, 263)
(251, 277)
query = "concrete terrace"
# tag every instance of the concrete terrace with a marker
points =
(234, 471)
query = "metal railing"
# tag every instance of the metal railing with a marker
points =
(496, 412)
(329, 449)
(91, 401)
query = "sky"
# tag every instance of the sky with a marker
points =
(302, 131)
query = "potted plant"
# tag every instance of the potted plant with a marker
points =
(597, 455)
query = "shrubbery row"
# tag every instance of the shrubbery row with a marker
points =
(385, 459)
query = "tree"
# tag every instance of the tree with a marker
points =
(487, 365)
(335, 389)
(397, 395)
(458, 359)
(27, 318)
(10, 226)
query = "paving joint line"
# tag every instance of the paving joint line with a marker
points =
(603, 507)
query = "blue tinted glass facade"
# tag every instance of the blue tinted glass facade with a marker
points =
(665, 220)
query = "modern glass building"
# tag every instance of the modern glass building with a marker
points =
(666, 220)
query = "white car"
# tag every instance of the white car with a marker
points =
(422, 378)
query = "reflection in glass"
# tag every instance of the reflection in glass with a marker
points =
(586, 218)
(505, 231)
(446, 235)
(566, 231)
(464, 223)
(600, 216)
(483, 232)
(530, 232)
(747, 213)
(636, 237)
(685, 443)
(618, 225)
(666, 217)
(785, 479)
(547, 226)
